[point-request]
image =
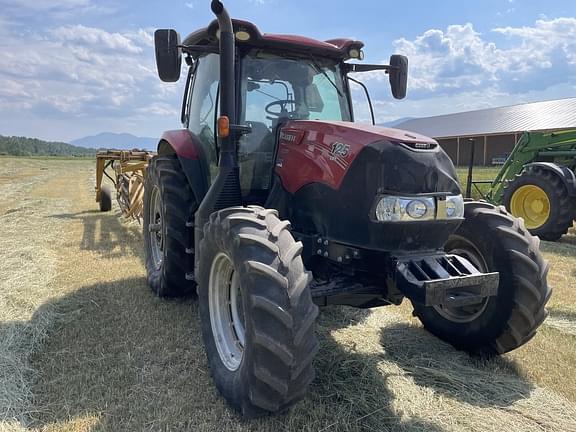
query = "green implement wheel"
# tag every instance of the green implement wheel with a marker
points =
(540, 198)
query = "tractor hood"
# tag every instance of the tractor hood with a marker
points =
(390, 160)
(359, 133)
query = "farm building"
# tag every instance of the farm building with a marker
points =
(495, 130)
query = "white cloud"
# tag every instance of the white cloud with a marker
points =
(83, 75)
(460, 58)
(459, 68)
(43, 5)
(548, 42)
(96, 38)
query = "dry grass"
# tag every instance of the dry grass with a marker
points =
(97, 351)
(29, 264)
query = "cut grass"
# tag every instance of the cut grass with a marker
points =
(29, 244)
(108, 355)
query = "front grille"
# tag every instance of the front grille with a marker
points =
(420, 146)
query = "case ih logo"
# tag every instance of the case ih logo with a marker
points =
(340, 149)
(287, 137)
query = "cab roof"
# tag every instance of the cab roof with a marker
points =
(334, 48)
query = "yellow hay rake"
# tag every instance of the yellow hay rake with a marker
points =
(129, 168)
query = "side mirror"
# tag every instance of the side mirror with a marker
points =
(168, 54)
(398, 75)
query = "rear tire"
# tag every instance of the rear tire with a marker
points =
(498, 241)
(169, 204)
(265, 364)
(105, 199)
(562, 209)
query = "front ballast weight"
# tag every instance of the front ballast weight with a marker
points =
(129, 170)
(449, 280)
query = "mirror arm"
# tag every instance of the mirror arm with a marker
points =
(195, 49)
(367, 97)
(352, 67)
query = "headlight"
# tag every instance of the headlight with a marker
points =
(394, 209)
(454, 206)
(414, 209)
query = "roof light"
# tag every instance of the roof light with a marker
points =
(356, 53)
(242, 35)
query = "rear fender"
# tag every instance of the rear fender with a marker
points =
(564, 173)
(185, 146)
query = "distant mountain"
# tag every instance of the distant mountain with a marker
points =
(22, 146)
(119, 141)
(394, 123)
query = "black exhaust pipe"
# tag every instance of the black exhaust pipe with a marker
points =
(227, 54)
(225, 190)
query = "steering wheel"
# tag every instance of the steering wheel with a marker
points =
(282, 103)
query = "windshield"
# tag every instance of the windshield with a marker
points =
(276, 88)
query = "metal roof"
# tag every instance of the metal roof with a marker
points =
(547, 115)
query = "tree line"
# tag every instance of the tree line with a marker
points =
(22, 146)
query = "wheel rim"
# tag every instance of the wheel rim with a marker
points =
(226, 312)
(531, 203)
(156, 228)
(467, 313)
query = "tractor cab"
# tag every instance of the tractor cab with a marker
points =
(272, 90)
(278, 78)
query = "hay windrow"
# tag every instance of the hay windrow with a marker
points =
(28, 252)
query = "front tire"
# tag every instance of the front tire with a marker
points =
(494, 241)
(169, 204)
(256, 310)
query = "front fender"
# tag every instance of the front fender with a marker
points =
(180, 141)
(193, 161)
(564, 173)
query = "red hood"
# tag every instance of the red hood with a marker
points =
(312, 151)
(358, 133)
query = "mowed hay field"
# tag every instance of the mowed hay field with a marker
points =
(85, 346)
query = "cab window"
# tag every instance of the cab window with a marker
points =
(204, 107)
(275, 89)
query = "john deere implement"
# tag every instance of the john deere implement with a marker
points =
(537, 183)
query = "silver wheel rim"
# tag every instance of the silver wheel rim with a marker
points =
(468, 313)
(226, 311)
(156, 229)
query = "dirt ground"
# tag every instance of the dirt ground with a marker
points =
(85, 346)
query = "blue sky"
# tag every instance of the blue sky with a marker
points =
(72, 68)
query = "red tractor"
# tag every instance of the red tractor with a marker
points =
(271, 201)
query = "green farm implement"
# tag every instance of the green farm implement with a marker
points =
(537, 183)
